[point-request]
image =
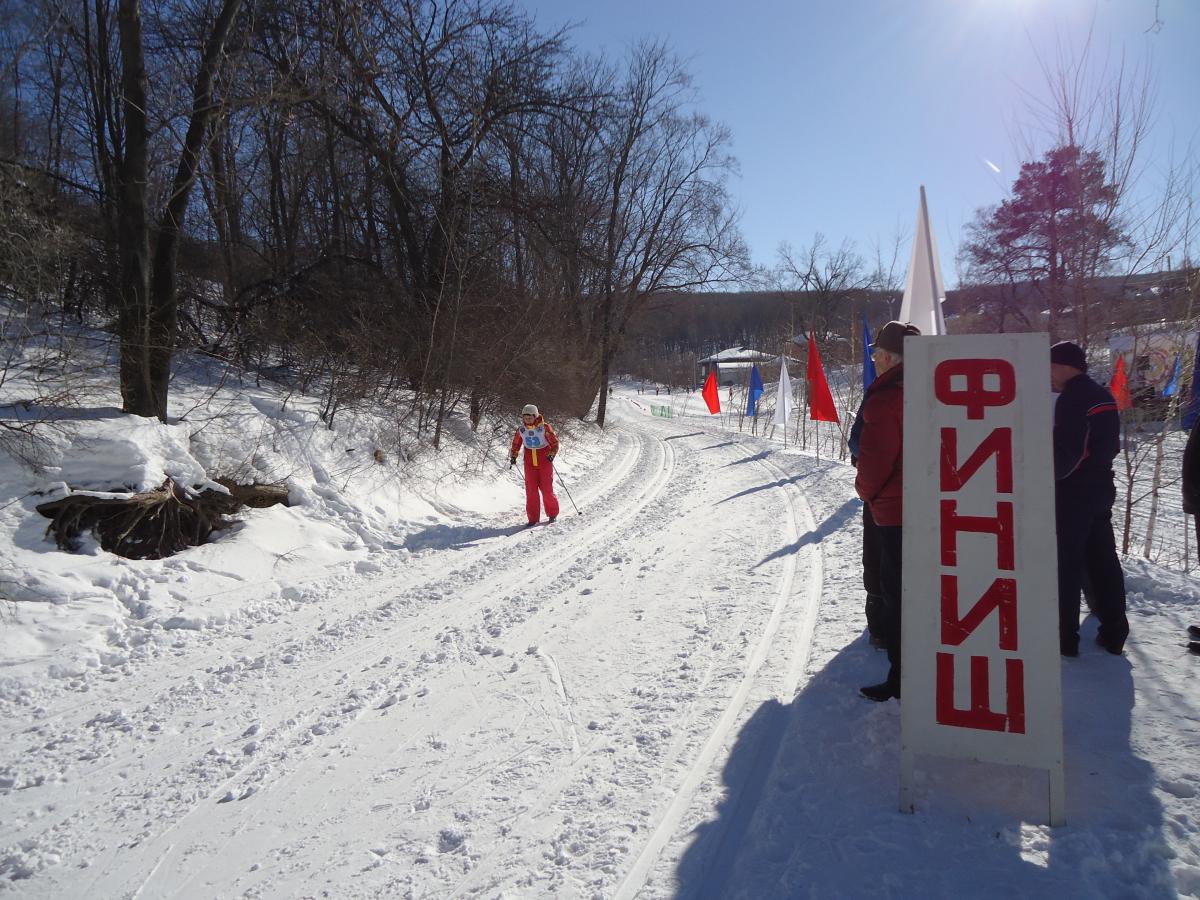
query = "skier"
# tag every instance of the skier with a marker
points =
(541, 446)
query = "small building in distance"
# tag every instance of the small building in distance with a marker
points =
(733, 365)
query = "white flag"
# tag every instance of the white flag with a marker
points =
(783, 397)
(925, 290)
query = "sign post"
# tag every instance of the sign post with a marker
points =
(981, 677)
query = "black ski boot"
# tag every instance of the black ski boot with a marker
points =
(880, 692)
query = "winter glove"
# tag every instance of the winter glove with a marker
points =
(512, 461)
(549, 457)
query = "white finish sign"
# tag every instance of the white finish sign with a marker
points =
(981, 675)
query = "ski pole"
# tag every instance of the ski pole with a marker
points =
(563, 485)
(515, 479)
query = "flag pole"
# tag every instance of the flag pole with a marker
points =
(745, 400)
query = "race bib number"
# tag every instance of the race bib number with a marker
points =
(534, 438)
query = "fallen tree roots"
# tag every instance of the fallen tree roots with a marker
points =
(153, 524)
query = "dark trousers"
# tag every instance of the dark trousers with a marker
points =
(1087, 555)
(871, 576)
(890, 548)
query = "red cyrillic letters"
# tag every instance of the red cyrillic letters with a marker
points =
(976, 397)
(1001, 596)
(1001, 525)
(980, 715)
(998, 444)
(973, 393)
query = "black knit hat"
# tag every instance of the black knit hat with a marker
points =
(1066, 353)
(891, 336)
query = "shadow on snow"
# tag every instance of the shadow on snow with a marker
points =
(456, 536)
(811, 806)
(748, 459)
(844, 513)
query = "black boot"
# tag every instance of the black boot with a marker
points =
(880, 692)
(1194, 647)
(1194, 631)
(1110, 645)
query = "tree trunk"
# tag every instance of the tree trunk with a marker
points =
(133, 233)
(1148, 544)
(606, 355)
(163, 317)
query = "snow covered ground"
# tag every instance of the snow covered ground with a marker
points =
(392, 689)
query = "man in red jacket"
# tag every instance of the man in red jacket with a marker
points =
(880, 482)
(541, 445)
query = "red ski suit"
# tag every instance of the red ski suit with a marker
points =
(540, 445)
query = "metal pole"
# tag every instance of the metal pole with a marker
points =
(563, 485)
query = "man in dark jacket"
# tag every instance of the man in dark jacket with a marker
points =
(1191, 477)
(880, 483)
(1087, 437)
(1191, 503)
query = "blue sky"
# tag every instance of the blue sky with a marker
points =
(840, 109)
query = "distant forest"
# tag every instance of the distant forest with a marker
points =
(672, 333)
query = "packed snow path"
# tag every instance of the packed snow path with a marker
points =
(530, 710)
(655, 698)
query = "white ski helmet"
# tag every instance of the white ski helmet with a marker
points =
(529, 410)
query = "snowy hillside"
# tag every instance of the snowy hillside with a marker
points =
(392, 689)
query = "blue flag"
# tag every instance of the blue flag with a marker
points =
(1171, 388)
(756, 390)
(868, 363)
(1193, 407)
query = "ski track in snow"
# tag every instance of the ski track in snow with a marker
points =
(229, 743)
(719, 738)
(592, 709)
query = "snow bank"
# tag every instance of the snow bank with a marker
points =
(363, 494)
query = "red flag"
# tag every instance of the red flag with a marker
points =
(1119, 386)
(820, 401)
(711, 393)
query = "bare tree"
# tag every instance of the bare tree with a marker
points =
(669, 225)
(827, 280)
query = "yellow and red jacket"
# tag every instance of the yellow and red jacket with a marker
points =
(535, 437)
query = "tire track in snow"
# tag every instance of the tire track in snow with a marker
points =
(800, 514)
